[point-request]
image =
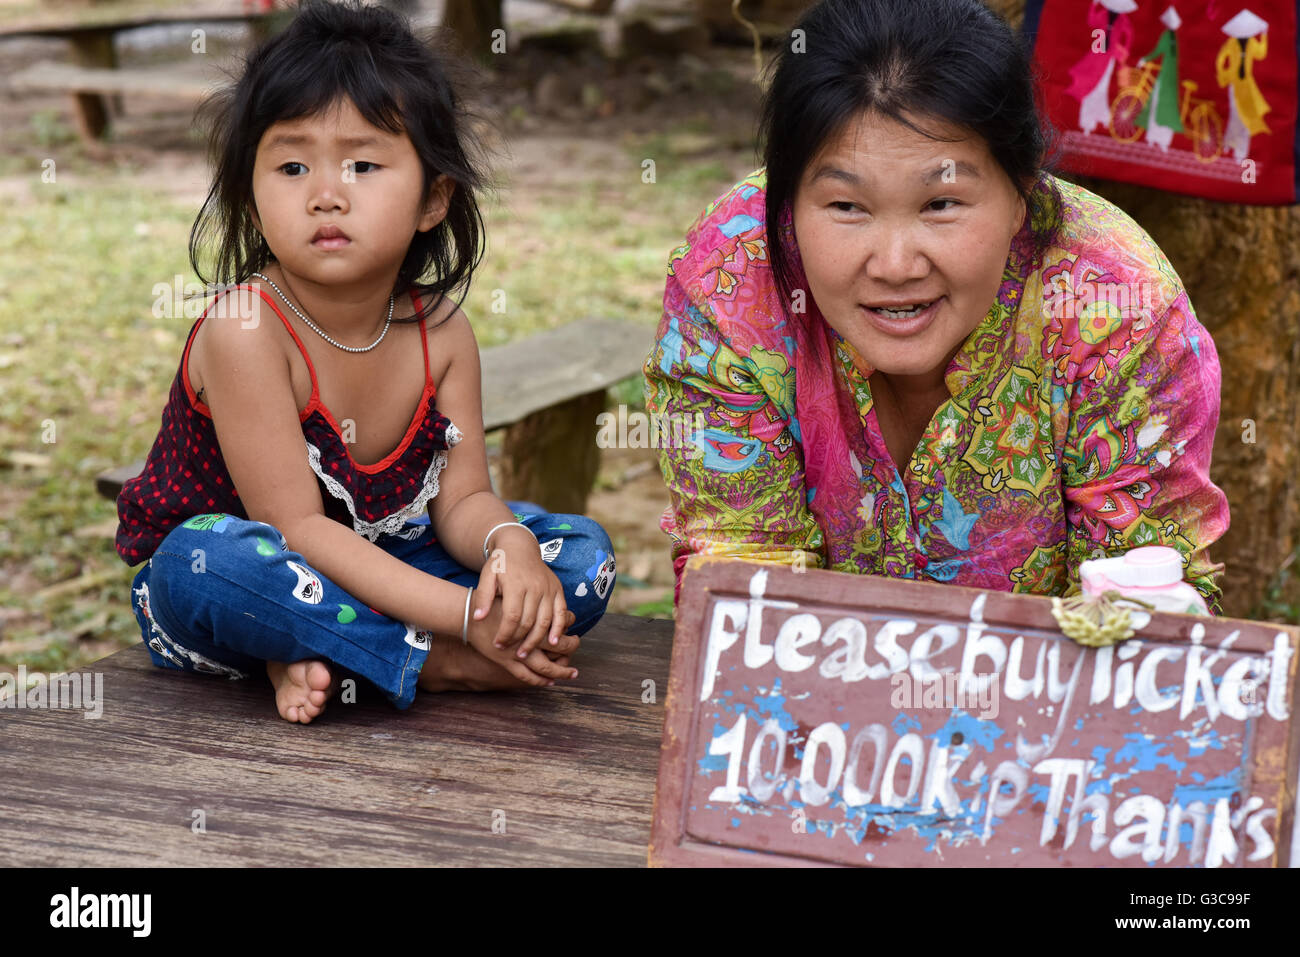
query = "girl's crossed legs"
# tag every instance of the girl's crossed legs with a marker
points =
(224, 595)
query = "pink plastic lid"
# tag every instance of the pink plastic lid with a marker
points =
(1153, 566)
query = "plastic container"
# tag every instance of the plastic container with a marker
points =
(1153, 574)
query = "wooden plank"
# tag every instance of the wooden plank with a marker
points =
(586, 6)
(553, 367)
(571, 769)
(114, 18)
(109, 484)
(167, 81)
(1177, 747)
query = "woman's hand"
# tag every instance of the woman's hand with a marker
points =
(532, 598)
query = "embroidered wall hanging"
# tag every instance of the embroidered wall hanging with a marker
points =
(1194, 96)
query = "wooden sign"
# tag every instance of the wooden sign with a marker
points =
(821, 718)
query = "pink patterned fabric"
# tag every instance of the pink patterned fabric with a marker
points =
(1080, 425)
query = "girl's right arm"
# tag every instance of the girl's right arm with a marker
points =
(249, 391)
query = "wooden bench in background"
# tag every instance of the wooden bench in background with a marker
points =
(546, 392)
(90, 86)
(94, 73)
(567, 773)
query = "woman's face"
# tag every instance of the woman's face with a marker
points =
(886, 217)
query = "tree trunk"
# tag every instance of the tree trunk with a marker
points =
(472, 23)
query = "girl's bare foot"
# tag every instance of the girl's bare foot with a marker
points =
(301, 688)
(453, 666)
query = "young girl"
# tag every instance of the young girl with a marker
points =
(281, 509)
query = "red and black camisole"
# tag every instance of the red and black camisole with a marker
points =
(185, 474)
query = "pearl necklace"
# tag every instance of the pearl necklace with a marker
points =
(321, 332)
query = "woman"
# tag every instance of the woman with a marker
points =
(944, 363)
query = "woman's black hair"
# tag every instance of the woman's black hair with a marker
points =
(954, 60)
(332, 50)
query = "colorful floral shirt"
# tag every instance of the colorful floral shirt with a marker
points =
(1080, 423)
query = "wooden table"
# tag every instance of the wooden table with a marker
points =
(570, 770)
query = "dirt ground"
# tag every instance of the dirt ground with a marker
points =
(574, 107)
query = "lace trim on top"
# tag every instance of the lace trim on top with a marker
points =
(394, 522)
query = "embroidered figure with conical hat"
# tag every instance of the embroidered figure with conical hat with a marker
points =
(1090, 77)
(1247, 42)
(1160, 114)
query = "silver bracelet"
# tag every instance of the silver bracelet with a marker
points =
(464, 629)
(494, 528)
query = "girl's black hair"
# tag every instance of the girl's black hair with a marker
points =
(332, 50)
(950, 59)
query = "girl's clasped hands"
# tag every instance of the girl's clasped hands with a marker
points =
(532, 613)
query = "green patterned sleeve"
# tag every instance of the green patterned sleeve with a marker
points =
(1137, 455)
(734, 473)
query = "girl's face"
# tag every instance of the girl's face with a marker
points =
(887, 217)
(338, 200)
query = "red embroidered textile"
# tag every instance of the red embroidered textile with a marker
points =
(185, 474)
(1195, 96)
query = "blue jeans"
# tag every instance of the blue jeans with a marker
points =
(223, 595)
